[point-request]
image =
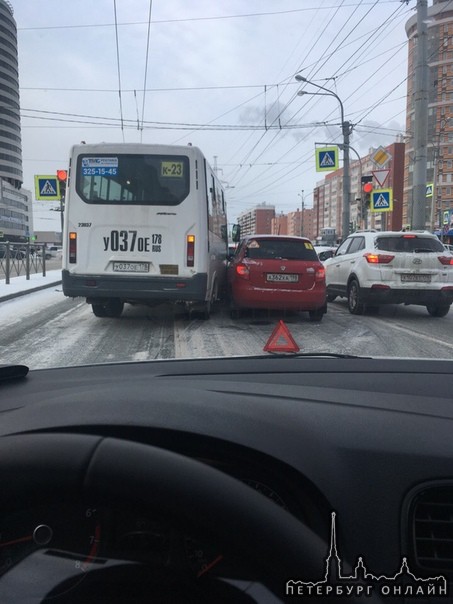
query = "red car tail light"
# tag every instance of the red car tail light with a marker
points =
(378, 258)
(445, 260)
(320, 274)
(72, 248)
(243, 271)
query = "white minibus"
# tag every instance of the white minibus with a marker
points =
(143, 224)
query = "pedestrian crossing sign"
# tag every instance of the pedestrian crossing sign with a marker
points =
(47, 187)
(429, 189)
(326, 159)
(381, 200)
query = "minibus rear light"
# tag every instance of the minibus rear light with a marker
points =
(190, 250)
(72, 248)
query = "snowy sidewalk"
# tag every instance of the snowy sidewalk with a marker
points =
(19, 286)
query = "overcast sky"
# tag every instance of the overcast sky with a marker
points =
(217, 75)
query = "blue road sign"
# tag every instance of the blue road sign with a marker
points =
(47, 187)
(326, 159)
(382, 200)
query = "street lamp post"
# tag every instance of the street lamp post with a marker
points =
(346, 131)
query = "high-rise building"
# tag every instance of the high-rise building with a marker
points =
(10, 138)
(439, 200)
(16, 218)
(257, 221)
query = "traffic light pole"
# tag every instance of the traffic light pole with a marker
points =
(62, 176)
(61, 215)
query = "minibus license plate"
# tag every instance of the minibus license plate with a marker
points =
(131, 267)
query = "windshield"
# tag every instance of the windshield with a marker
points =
(136, 179)
(405, 243)
(280, 249)
(142, 152)
(226, 289)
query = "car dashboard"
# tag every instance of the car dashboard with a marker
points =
(227, 480)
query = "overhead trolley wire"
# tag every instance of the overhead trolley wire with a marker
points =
(368, 39)
(295, 96)
(182, 20)
(118, 67)
(146, 66)
(286, 106)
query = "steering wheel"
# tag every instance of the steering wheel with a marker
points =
(49, 467)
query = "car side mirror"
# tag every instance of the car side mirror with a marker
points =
(236, 233)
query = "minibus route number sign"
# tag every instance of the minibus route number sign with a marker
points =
(172, 168)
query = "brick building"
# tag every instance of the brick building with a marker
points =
(257, 221)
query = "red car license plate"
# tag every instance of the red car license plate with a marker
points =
(279, 277)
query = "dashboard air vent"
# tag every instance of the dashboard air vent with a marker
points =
(431, 529)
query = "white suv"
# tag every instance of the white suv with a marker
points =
(371, 268)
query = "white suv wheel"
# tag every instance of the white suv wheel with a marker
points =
(355, 303)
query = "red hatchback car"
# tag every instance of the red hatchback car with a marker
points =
(277, 272)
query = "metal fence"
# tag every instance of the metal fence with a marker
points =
(21, 259)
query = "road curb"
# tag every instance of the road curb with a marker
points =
(28, 291)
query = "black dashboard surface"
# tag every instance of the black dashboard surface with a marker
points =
(364, 438)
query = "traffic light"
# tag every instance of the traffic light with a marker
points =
(367, 188)
(62, 176)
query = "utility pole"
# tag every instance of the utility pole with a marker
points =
(346, 214)
(418, 205)
(302, 215)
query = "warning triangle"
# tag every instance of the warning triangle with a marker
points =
(281, 340)
(48, 189)
(327, 160)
